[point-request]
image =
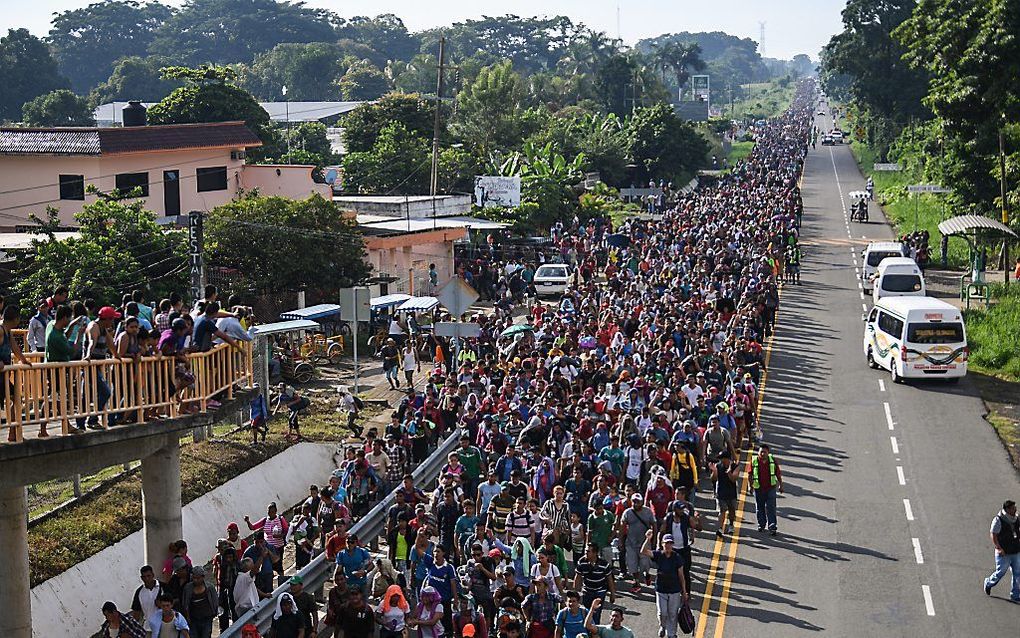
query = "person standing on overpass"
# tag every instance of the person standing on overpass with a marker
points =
(765, 479)
(1005, 533)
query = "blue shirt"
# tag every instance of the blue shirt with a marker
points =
(265, 565)
(488, 492)
(442, 579)
(352, 561)
(421, 569)
(572, 624)
(202, 336)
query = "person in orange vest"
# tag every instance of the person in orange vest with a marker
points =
(764, 479)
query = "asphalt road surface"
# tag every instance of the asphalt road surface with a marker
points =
(890, 489)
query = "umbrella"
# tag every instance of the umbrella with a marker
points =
(618, 240)
(517, 328)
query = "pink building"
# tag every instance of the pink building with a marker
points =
(179, 168)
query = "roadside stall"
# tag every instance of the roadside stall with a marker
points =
(276, 351)
(326, 341)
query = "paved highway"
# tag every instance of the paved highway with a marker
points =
(890, 489)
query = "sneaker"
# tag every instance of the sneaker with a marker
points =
(760, 529)
(719, 533)
(648, 579)
(212, 404)
(636, 589)
(729, 529)
(988, 589)
(773, 532)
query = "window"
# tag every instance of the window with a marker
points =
(129, 181)
(875, 258)
(935, 333)
(890, 325)
(901, 283)
(212, 179)
(72, 187)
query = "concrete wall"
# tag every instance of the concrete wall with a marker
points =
(399, 260)
(36, 179)
(68, 605)
(415, 206)
(293, 181)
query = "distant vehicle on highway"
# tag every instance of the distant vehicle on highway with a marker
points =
(837, 136)
(820, 112)
(551, 279)
(898, 277)
(873, 255)
(916, 337)
(827, 140)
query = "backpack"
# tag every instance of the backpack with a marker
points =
(685, 619)
(358, 403)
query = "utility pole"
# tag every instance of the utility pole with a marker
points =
(434, 183)
(1005, 206)
(286, 105)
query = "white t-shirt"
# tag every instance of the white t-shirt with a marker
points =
(409, 363)
(434, 631)
(393, 619)
(549, 577)
(635, 456)
(692, 394)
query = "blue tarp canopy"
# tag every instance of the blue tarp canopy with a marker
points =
(284, 326)
(319, 311)
(418, 304)
(387, 301)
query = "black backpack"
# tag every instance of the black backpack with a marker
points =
(685, 619)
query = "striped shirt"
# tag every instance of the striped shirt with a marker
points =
(594, 575)
(519, 525)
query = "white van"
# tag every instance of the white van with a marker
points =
(551, 279)
(873, 255)
(916, 337)
(898, 277)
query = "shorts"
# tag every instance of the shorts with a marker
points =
(728, 505)
(636, 563)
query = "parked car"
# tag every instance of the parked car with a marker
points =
(551, 279)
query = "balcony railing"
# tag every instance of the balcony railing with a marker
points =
(58, 396)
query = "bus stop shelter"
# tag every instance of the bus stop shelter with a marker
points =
(975, 230)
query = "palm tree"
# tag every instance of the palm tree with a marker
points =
(678, 57)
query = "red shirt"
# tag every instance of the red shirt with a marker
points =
(659, 498)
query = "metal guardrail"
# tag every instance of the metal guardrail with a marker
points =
(317, 572)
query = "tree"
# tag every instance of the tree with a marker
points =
(614, 83)
(87, 42)
(363, 81)
(135, 78)
(283, 244)
(679, 58)
(547, 178)
(601, 139)
(309, 71)
(488, 110)
(119, 248)
(209, 96)
(229, 31)
(385, 34)
(27, 70)
(398, 163)
(58, 108)
(415, 76)
(663, 145)
(362, 126)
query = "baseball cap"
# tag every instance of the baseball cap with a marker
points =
(198, 570)
(108, 312)
(179, 563)
(667, 538)
(637, 497)
(232, 526)
(296, 580)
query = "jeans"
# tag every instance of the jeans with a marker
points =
(102, 396)
(765, 508)
(586, 599)
(201, 627)
(668, 606)
(1002, 563)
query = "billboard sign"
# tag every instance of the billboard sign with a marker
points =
(492, 190)
(700, 87)
(928, 188)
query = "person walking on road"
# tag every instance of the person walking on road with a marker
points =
(1005, 533)
(670, 584)
(766, 478)
(724, 475)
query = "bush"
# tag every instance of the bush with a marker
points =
(994, 335)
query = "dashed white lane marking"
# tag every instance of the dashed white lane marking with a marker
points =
(906, 508)
(855, 262)
(861, 293)
(895, 445)
(929, 605)
(888, 414)
(864, 236)
(917, 550)
(899, 475)
(864, 307)
(860, 286)
(881, 385)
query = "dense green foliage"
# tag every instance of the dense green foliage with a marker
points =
(27, 70)
(664, 146)
(58, 108)
(994, 335)
(322, 249)
(89, 41)
(135, 78)
(120, 248)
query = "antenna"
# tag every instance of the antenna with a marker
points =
(761, 39)
(618, 35)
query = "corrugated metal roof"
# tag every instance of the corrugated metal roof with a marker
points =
(963, 224)
(284, 326)
(83, 141)
(318, 311)
(113, 112)
(418, 304)
(393, 299)
(102, 141)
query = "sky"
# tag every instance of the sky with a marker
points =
(791, 26)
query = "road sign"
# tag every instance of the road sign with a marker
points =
(457, 296)
(354, 304)
(169, 220)
(469, 330)
(892, 166)
(928, 188)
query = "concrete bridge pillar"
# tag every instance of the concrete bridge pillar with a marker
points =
(161, 501)
(15, 594)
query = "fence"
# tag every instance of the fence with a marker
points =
(370, 527)
(41, 394)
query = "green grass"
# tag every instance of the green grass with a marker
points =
(767, 99)
(739, 150)
(994, 335)
(908, 211)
